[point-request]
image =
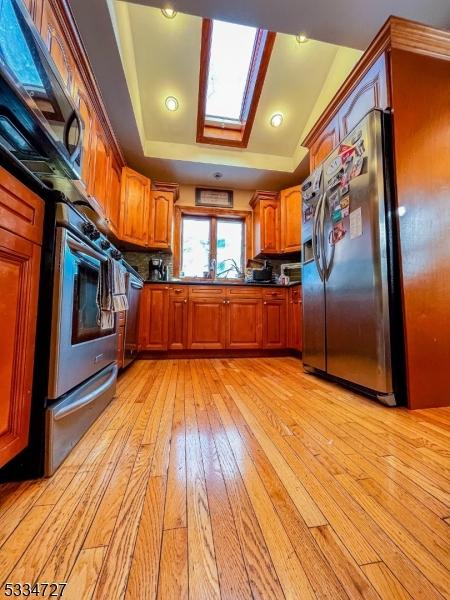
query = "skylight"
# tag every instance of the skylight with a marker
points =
(231, 55)
(233, 65)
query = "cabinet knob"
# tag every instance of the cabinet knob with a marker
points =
(265, 302)
(166, 287)
(178, 291)
(185, 301)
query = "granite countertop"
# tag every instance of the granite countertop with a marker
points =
(224, 282)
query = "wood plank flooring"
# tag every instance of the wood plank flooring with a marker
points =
(239, 479)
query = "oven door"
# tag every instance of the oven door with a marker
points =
(79, 348)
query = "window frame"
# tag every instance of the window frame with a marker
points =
(234, 134)
(214, 214)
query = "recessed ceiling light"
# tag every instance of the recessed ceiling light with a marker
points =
(301, 38)
(218, 175)
(276, 120)
(169, 13)
(171, 103)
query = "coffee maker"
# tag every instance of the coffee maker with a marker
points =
(156, 269)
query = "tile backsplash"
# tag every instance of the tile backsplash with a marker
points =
(140, 260)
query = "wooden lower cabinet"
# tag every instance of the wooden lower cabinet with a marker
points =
(244, 323)
(121, 324)
(295, 318)
(154, 318)
(274, 324)
(182, 317)
(206, 326)
(21, 223)
(178, 320)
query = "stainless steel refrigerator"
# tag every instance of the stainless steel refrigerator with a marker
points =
(352, 316)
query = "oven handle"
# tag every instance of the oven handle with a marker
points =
(64, 411)
(82, 248)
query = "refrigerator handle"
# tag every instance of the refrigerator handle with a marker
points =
(317, 237)
(328, 264)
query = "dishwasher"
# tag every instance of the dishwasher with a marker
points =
(134, 291)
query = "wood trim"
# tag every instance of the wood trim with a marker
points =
(219, 353)
(395, 33)
(202, 211)
(237, 138)
(161, 186)
(263, 195)
(66, 21)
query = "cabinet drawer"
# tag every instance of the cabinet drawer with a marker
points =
(207, 291)
(178, 291)
(244, 292)
(274, 294)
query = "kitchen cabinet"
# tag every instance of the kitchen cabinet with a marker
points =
(134, 208)
(87, 116)
(178, 318)
(99, 163)
(21, 226)
(294, 318)
(113, 197)
(121, 324)
(154, 317)
(325, 143)
(244, 323)
(290, 210)
(370, 92)
(58, 46)
(34, 7)
(266, 222)
(206, 325)
(274, 319)
(162, 199)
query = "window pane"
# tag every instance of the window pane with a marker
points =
(195, 256)
(231, 54)
(230, 248)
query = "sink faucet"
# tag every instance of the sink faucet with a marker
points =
(212, 268)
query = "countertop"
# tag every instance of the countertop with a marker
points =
(224, 282)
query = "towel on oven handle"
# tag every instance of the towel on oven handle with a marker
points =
(111, 293)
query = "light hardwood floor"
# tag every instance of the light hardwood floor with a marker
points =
(239, 478)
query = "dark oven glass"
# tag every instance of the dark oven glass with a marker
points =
(84, 322)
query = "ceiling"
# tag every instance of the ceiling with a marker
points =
(139, 58)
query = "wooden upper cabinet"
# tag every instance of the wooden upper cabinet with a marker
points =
(134, 208)
(154, 317)
(266, 222)
(290, 207)
(326, 142)
(370, 92)
(99, 166)
(87, 116)
(34, 7)
(21, 226)
(113, 199)
(162, 198)
(57, 45)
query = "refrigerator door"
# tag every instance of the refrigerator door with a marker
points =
(357, 291)
(313, 290)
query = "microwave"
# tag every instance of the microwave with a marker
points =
(39, 121)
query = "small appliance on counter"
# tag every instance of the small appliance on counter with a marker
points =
(258, 271)
(156, 269)
(290, 273)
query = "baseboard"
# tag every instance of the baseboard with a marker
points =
(226, 353)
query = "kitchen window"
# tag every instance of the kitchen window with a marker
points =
(233, 65)
(210, 242)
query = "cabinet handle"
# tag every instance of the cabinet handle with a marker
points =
(178, 291)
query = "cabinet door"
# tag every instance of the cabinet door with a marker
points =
(244, 323)
(19, 282)
(99, 166)
(206, 323)
(327, 141)
(86, 113)
(274, 324)
(134, 207)
(290, 206)
(269, 226)
(113, 195)
(154, 318)
(34, 7)
(370, 92)
(294, 325)
(161, 210)
(57, 45)
(178, 322)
